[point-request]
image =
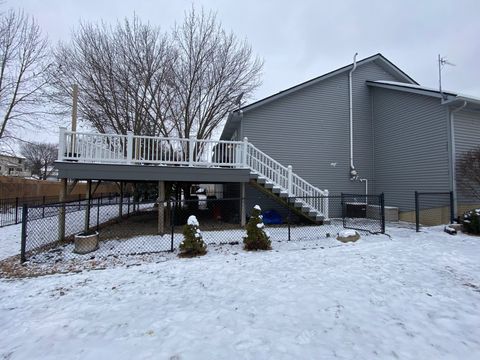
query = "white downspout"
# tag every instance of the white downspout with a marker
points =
(454, 170)
(353, 172)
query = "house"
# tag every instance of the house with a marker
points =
(367, 127)
(13, 166)
(405, 137)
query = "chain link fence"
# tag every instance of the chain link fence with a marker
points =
(433, 208)
(126, 226)
(11, 209)
(364, 212)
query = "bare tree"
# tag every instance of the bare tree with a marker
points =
(212, 69)
(117, 68)
(468, 172)
(39, 157)
(23, 69)
(132, 77)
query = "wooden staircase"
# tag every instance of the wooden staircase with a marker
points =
(296, 206)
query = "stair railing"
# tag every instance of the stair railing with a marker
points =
(284, 177)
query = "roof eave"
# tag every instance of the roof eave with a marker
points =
(320, 78)
(426, 92)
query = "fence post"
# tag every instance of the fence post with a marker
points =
(128, 205)
(245, 152)
(172, 224)
(129, 147)
(342, 204)
(98, 212)
(191, 148)
(43, 207)
(16, 210)
(23, 243)
(382, 209)
(417, 212)
(289, 181)
(79, 201)
(452, 208)
(288, 218)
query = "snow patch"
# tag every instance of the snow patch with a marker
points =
(347, 233)
(192, 220)
(257, 207)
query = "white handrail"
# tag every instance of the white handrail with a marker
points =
(283, 177)
(139, 149)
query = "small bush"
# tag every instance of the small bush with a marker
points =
(192, 244)
(257, 238)
(471, 221)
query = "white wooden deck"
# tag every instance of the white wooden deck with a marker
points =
(96, 148)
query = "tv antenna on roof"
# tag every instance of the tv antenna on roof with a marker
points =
(442, 61)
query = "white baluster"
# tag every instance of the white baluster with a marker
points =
(290, 181)
(129, 147)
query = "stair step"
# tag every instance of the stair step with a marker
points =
(306, 209)
(276, 189)
(269, 185)
(254, 176)
(261, 180)
(283, 194)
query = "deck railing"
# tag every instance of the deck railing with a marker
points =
(151, 150)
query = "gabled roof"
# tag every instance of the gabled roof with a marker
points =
(233, 120)
(377, 57)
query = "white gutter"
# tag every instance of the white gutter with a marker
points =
(452, 142)
(353, 172)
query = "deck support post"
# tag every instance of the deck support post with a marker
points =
(87, 209)
(61, 214)
(243, 214)
(120, 203)
(161, 207)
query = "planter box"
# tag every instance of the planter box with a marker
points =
(85, 244)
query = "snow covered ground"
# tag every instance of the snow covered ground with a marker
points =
(10, 240)
(414, 296)
(46, 229)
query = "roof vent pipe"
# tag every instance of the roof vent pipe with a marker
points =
(353, 172)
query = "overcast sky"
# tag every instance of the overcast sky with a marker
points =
(299, 40)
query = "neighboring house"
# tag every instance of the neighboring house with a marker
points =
(13, 166)
(406, 137)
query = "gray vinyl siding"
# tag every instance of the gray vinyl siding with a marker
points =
(467, 137)
(309, 129)
(411, 146)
